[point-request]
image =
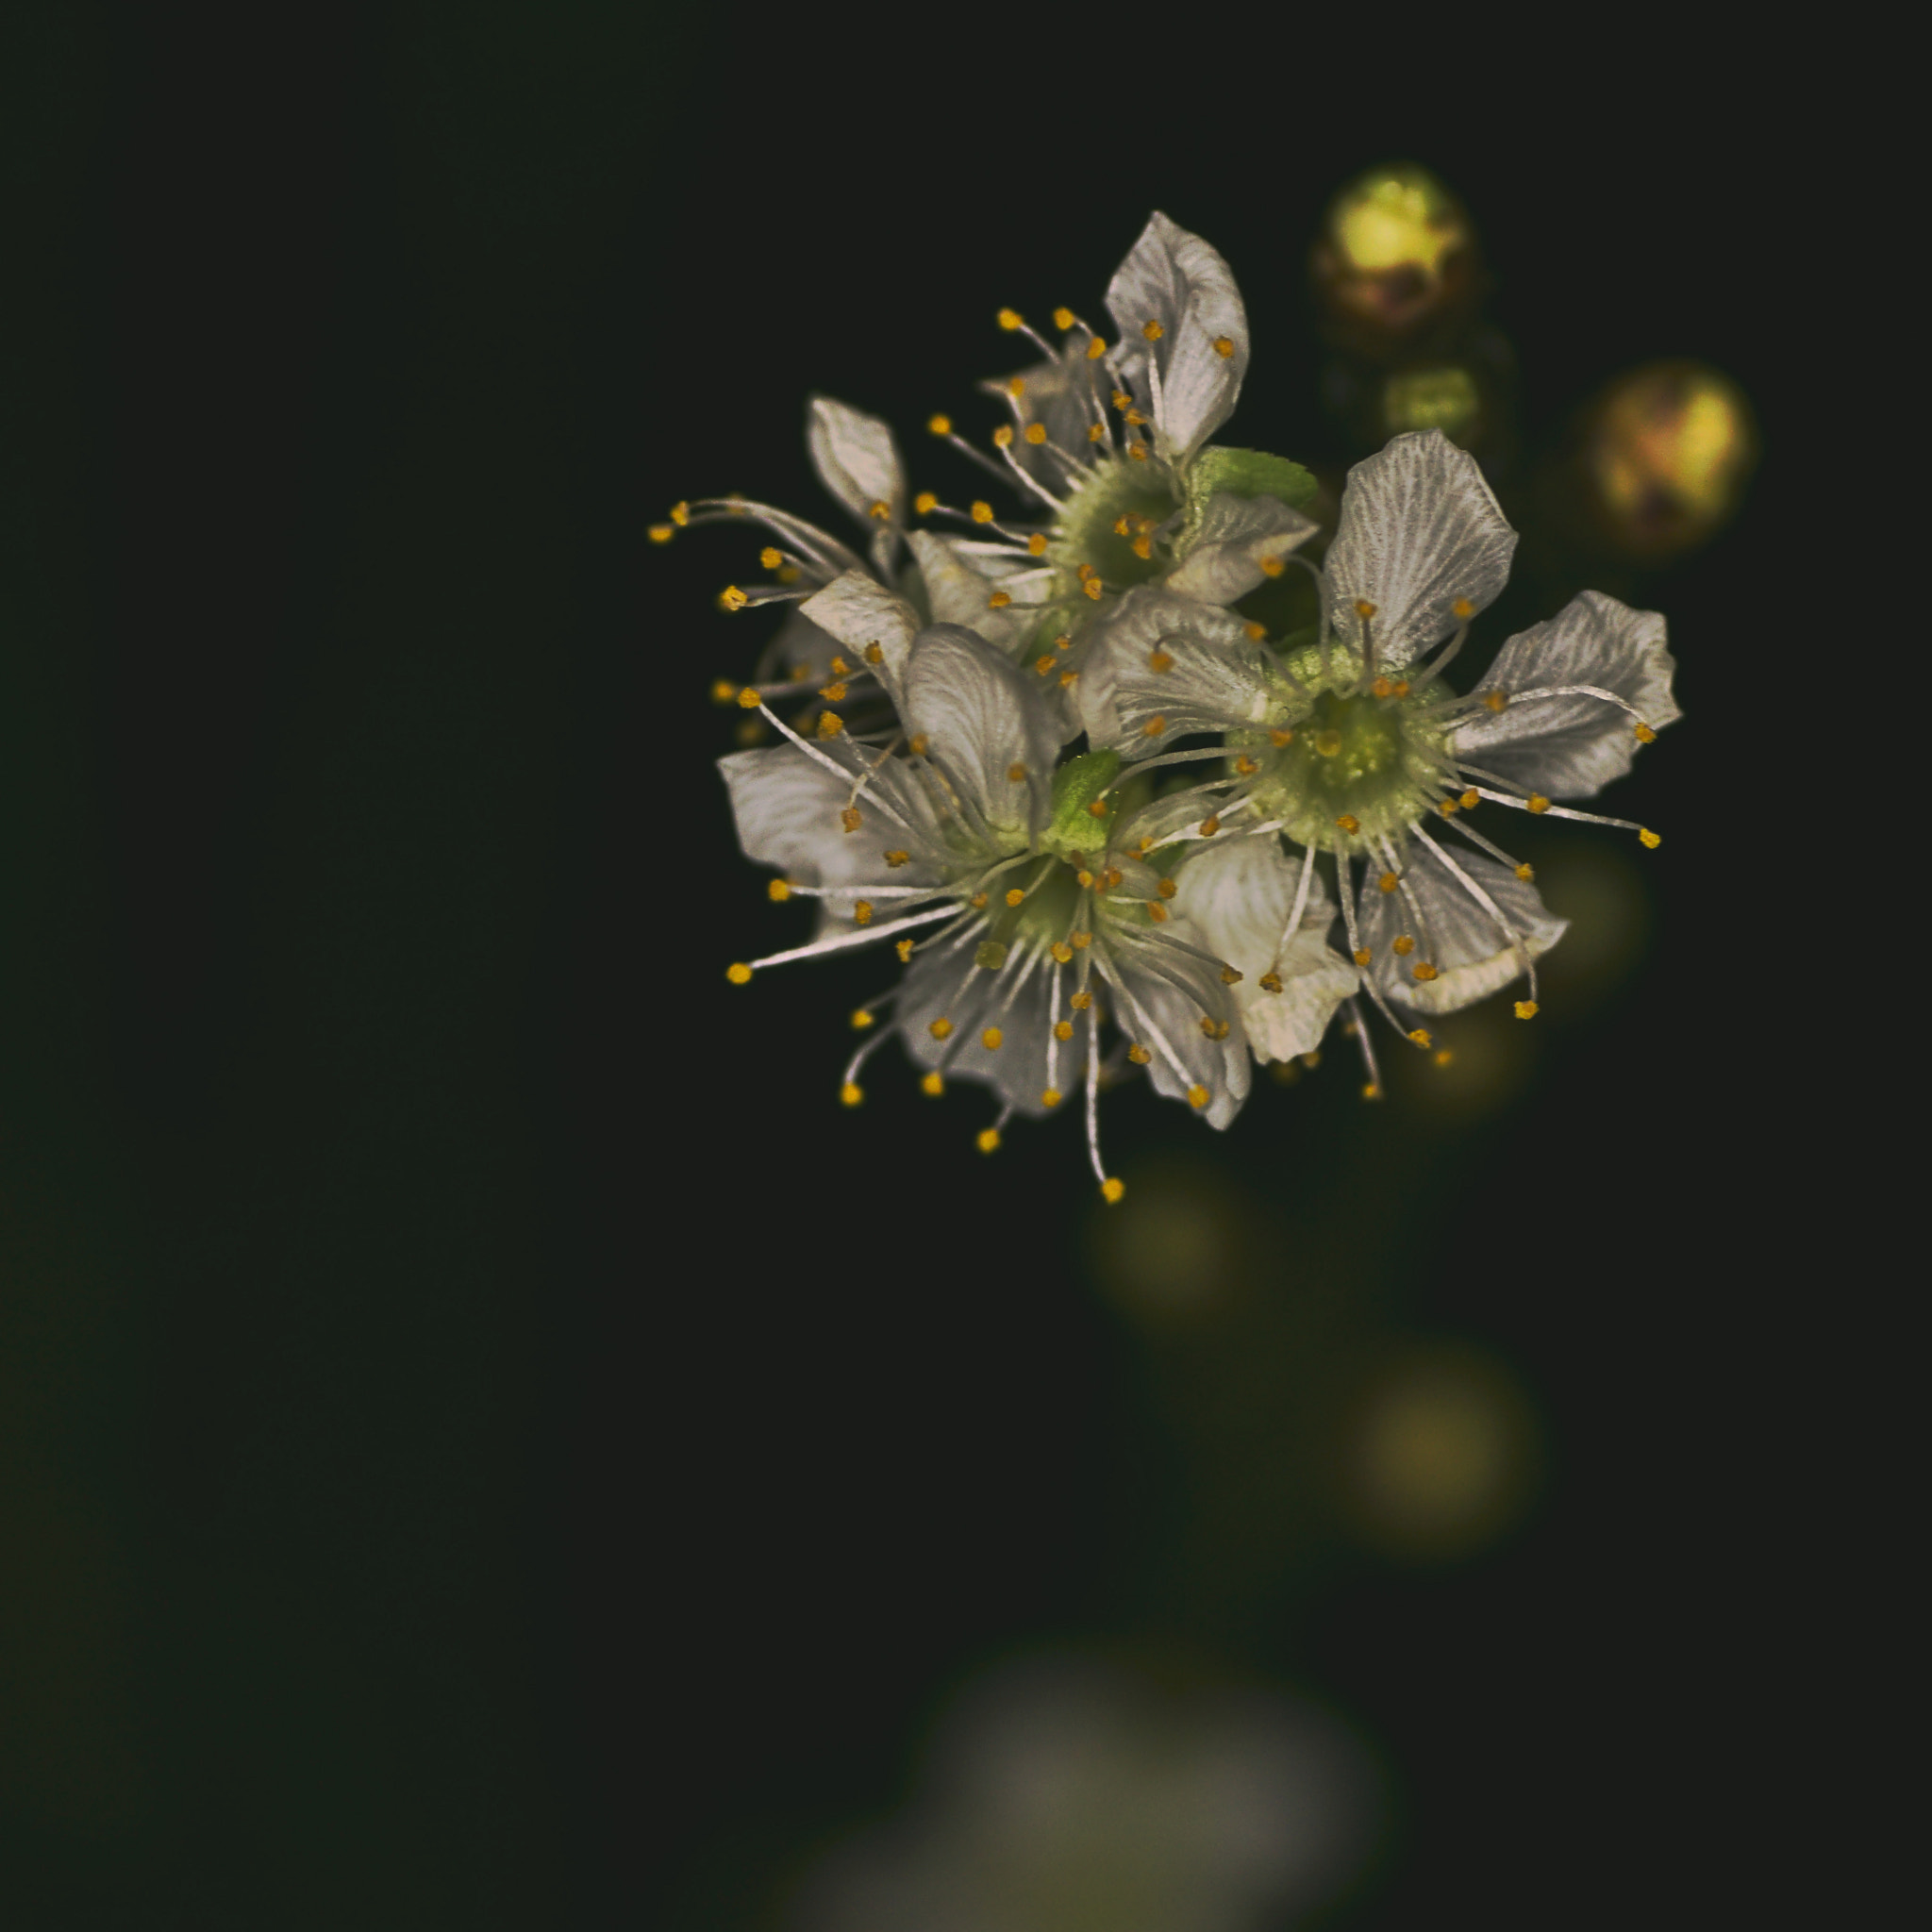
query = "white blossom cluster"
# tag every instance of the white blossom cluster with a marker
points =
(1106, 822)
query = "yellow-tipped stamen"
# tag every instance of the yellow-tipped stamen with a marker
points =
(739, 974)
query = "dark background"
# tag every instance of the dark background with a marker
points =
(484, 1439)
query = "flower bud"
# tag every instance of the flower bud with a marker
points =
(1395, 259)
(1667, 450)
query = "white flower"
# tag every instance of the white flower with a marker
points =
(1050, 920)
(1349, 744)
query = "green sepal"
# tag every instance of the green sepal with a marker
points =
(1248, 473)
(1076, 786)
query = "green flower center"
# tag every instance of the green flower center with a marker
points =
(1144, 497)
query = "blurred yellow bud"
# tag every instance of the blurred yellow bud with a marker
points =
(1396, 253)
(1445, 399)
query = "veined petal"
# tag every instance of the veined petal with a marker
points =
(1176, 281)
(1572, 745)
(789, 810)
(1469, 946)
(1238, 893)
(959, 592)
(1063, 397)
(1420, 530)
(798, 651)
(1163, 994)
(1213, 679)
(1226, 548)
(983, 722)
(856, 459)
(859, 612)
(943, 985)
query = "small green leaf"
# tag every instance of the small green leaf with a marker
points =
(1076, 786)
(1248, 473)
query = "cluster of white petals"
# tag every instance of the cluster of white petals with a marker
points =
(1106, 822)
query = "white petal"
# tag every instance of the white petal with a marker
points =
(1239, 896)
(1569, 747)
(959, 592)
(1226, 547)
(799, 650)
(1062, 396)
(1472, 951)
(859, 612)
(857, 459)
(982, 722)
(1216, 681)
(1420, 529)
(1163, 996)
(1014, 999)
(1176, 280)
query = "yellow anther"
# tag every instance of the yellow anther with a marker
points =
(934, 1084)
(1015, 896)
(1094, 589)
(1122, 527)
(1138, 450)
(1063, 318)
(1312, 1060)
(1157, 911)
(1269, 982)
(920, 744)
(1042, 665)
(1361, 956)
(1421, 1037)
(1526, 1009)
(1444, 1055)
(1167, 889)
(1224, 346)
(941, 425)
(1096, 808)
(1537, 802)
(1063, 1029)
(861, 911)
(738, 975)
(1036, 545)
(1144, 546)
(1061, 951)
(680, 514)
(1648, 838)
(1470, 799)
(1525, 873)
(1402, 687)
(904, 949)
(1112, 1190)
(1328, 742)
(1158, 662)
(1272, 566)
(1096, 432)
(779, 891)
(875, 654)
(1010, 319)
(1002, 437)
(1096, 349)
(1446, 806)
(1372, 1092)
(1496, 700)
(990, 1038)
(833, 693)
(1016, 386)
(1152, 331)
(662, 533)
(1197, 1097)
(982, 513)
(1462, 609)
(895, 859)
(1209, 1028)
(749, 699)
(830, 723)
(1080, 1002)
(1383, 688)
(1139, 1055)
(999, 600)
(1114, 876)
(849, 818)
(881, 511)
(1278, 738)
(864, 1017)
(1084, 881)
(977, 902)
(1050, 1097)
(926, 502)
(941, 1029)
(1229, 976)
(1084, 572)
(1245, 767)
(1644, 734)
(771, 557)
(1080, 941)
(1064, 641)
(1016, 775)
(1154, 726)
(1363, 607)
(1404, 943)
(732, 598)
(1388, 882)
(723, 691)
(1349, 824)
(788, 573)
(851, 1094)
(1211, 825)
(1423, 970)
(1035, 434)
(839, 668)
(1257, 632)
